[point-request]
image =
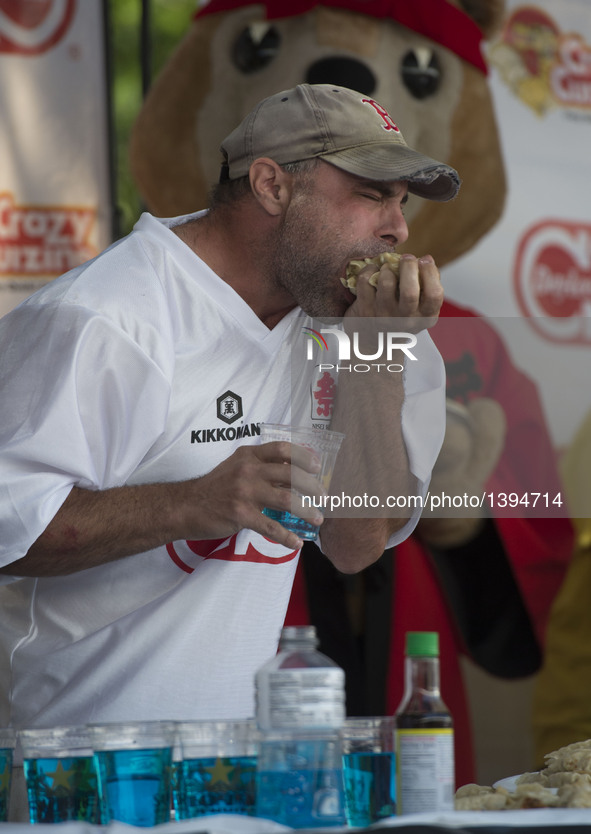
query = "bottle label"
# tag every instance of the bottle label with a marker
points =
(426, 777)
(298, 698)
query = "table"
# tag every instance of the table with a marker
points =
(542, 820)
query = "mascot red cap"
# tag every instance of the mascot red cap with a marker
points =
(441, 22)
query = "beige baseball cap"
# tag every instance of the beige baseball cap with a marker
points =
(342, 127)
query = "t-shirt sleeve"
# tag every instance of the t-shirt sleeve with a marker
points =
(82, 402)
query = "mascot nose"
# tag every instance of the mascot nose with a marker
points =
(344, 72)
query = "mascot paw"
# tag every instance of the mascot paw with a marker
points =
(473, 443)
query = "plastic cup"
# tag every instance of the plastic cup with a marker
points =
(325, 444)
(369, 769)
(7, 744)
(60, 775)
(134, 764)
(300, 781)
(217, 769)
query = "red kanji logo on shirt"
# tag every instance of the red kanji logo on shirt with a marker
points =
(323, 396)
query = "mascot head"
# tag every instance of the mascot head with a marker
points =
(421, 60)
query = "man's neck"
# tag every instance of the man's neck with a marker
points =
(227, 247)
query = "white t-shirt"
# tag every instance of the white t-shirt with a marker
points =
(143, 366)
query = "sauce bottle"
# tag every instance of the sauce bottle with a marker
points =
(424, 732)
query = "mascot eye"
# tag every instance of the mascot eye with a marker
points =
(255, 47)
(421, 72)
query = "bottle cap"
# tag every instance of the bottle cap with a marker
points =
(422, 644)
(298, 633)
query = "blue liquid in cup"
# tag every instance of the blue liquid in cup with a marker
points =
(304, 529)
(135, 785)
(5, 776)
(176, 781)
(216, 786)
(299, 786)
(370, 787)
(62, 789)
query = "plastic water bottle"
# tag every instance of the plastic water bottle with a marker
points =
(424, 732)
(300, 695)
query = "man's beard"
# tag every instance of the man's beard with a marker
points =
(307, 261)
(309, 257)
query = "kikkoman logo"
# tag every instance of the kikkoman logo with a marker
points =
(228, 409)
(386, 344)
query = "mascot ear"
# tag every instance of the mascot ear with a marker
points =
(488, 14)
(163, 158)
(476, 153)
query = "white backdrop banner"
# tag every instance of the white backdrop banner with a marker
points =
(55, 202)
(536, 263)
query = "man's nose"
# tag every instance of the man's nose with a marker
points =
(395, 228)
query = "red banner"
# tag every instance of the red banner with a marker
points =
(55, 201)
(535, 264)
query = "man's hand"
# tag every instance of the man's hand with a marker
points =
(93, 527)
(232, 496)
(416, 296)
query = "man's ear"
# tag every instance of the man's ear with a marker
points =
(271, 185)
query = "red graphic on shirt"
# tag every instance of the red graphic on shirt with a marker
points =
(323, 394)
(552, 277)
(29, 27)
(245, 546)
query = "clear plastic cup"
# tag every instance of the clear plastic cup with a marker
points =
(216, 773)
(134, 766)
(369, 769)
(60, 775)
(325, 444)
(7, 745)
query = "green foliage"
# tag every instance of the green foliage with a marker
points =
(169, 21)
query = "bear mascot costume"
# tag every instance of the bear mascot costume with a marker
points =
(484, 583)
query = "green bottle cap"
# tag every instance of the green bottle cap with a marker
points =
(422, 644)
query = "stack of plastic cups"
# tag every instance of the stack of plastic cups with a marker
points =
(7, 745)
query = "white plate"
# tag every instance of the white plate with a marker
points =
(510, 783)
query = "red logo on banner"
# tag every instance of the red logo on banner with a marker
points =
(544, 67)
(43, 240)
(571, 77)
(533, 34)
(28, 27)
(552, 278)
